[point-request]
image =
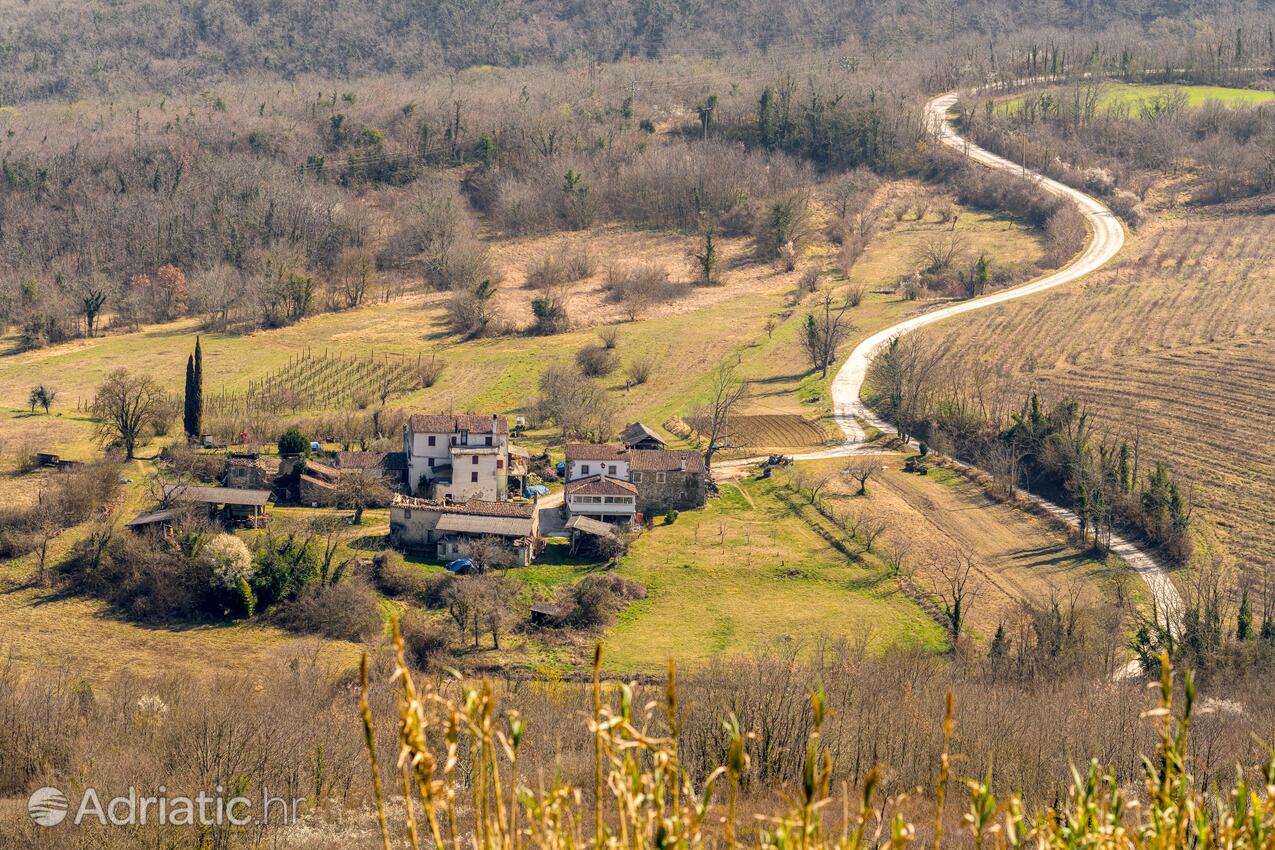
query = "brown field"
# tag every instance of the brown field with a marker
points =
(774, 430)
(1019, 559)
(1172, 344)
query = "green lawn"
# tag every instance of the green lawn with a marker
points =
(746, 575)
(1114, 94)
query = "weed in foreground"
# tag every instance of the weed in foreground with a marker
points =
(643, 799)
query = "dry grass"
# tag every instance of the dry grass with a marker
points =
(1172, 344)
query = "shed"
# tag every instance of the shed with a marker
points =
(639, 436)
(162, 519)
(545, 614)
(235, 505)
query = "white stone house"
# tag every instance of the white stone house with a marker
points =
(602, 498)
(588, 459)
(457, 457)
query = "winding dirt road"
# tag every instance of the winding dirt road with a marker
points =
(1106, 240)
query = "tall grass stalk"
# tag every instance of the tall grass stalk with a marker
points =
(645, 800)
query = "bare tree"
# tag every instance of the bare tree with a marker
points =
(726, 392)
(125, 406)
(862, 468)
(957, 587)
(870, 528)
(355, 273)
(358, 490)
(826, 329)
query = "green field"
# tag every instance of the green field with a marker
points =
(1133, 96)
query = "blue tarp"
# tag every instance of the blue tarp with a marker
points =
(535, 490)
(461, 565)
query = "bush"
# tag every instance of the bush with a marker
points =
(609, 336)
(550, 314)
(395, 577)
(348, 610)
(639, 371)
(425, 643)
(555, 270)
(293, 442)
(596, 361)
(670, 517)
(597, 598)
(1128, 206)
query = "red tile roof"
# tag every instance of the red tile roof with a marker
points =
(665, 460)
(600, 485)
(446, 423)
(594, 451)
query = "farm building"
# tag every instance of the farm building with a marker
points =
(587, 459)
(457, 457)
(667, 480)
(451, 529)
(663, 479)
(391, 465)
(231, 505)
(602, 498)
(250, 471)
(639, 436)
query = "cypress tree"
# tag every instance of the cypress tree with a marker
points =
(1244, 622)
(197, 407)
(188, 399)
(193, 408)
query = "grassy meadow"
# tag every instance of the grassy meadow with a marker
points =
(752, 571)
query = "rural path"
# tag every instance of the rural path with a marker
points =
(1106, 240)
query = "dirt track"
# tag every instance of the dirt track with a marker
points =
(1106, 240)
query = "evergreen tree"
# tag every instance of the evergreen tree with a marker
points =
(193, 409)
(187, 417)
(1000, 643)
(1244, 621)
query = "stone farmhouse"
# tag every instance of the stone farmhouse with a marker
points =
(454, 530)
(615, 483)
(457, 457)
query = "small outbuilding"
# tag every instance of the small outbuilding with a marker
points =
(638, 436)
(232, 505)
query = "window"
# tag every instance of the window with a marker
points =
(473, 477)
(637, 478)
(430, 460)
(611, 470)
(659, 477)
(432, 439)
(475, 460)
(584, 469)
(500, 463)
(407, 513)
(489, 440)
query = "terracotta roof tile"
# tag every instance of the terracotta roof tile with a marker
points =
(446, 423)
(665, 460)
(600, 485)
(474, 507)
(594, 451)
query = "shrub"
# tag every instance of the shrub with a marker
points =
(425, 643)
(550, 314)
(1128, 206)
(596, 361)
(293, 442)
(348, 610)
(809, 280)
(597, 598)
(639, 370)
(609, 336)
(670, 517)
(555, 270)
(397, 578)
